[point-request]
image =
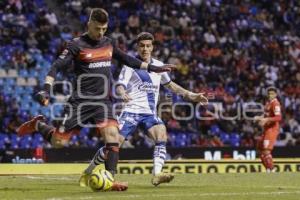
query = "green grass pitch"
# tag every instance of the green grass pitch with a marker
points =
(254, 186)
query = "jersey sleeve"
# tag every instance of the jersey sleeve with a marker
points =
(124, 58)
(64, 59)
(165, 79)
(276, 109)
(125, 76)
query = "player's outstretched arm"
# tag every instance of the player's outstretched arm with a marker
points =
(63, 60)
(262, 121)
(153, 68)
(138, 64)
(195, 97)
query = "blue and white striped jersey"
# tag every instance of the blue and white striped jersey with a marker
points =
(143, 87)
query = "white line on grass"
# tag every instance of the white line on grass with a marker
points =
(50, 178)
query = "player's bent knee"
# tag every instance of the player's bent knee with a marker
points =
(121, 139)
(58, 143)
(111, 134)
(162, 136)
(158, 132)
(265, 151)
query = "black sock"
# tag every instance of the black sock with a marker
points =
(45, 130)
(112, 157)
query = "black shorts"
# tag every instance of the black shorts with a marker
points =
(85, 114)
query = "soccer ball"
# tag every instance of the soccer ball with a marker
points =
(100, 180)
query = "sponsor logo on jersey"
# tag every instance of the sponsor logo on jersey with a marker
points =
(148, 87)
(89, 55)
(99, 64)
(277, 110)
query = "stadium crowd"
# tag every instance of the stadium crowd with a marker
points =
(231, 50)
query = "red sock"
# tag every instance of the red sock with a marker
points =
(262, 158)
(267, 161)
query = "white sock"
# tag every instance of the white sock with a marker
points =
(97, 160)
(159, 157)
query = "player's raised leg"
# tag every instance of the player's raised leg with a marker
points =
(30, 126)
(57, 136)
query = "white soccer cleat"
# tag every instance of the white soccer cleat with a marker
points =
(270, 170)
(162, 178)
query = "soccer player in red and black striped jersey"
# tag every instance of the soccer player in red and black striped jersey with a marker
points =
(91, 54)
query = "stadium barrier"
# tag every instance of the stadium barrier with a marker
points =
(145, 167)
(71, 155)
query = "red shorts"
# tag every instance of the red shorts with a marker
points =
(65, 135)
(100, 125)
(268, 138)
(107, 123)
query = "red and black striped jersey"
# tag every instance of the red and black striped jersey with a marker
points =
(92, 66)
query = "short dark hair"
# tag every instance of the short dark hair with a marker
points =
(144, 36)
(272, 88)
(99, 14)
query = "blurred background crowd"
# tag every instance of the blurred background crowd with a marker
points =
(231, 50)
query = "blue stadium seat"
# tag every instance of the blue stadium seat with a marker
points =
(172, 139)
(215, 129)
(92, 143)
(2, 145)
(14, 138)
(25, 105)
(14, 145)
(224, 137)
(181, 140)
(25, 142)
(45, 111)
(10, 81)
(33, 73)
(235, 139)
(23, 73)
(19, 90)
(37, 141)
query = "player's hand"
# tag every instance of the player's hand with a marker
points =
(257, 118)
(198, 97)
(262, 122)
(164, 68)
(42, 97)
(125, 97)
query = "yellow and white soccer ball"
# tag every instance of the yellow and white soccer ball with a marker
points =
(100, 180)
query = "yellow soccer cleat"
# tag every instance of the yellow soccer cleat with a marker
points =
(84, 180)
(162, 178)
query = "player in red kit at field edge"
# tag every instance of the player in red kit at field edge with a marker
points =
(271, 126)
